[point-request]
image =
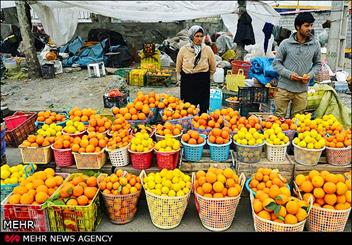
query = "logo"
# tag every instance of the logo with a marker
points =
(12, 238)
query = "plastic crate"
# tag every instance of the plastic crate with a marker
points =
(74, 218)
(118, 101)
(123, 72)
(137, 77)
(90, 160)
(246, 108)
(63, 124)
(154, 80)
(16, 136)
(276, 153)
(15, 120)
(38, 155)
(253, 94)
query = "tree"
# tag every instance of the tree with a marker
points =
(34, 70)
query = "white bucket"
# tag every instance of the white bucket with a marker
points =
(219, 75)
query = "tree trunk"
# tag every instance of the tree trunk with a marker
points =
(34, 70)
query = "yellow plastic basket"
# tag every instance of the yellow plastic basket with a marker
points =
(74, 218)
(165, 212)
(38, 155)
(90, 160)
(233, 81)
(217, 214)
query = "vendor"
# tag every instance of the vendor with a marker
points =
(297, 61)
(195, 65)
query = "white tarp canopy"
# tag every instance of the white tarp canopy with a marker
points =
(60, 18)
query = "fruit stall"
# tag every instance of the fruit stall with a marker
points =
(82, 164)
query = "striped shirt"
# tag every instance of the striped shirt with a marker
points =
(301, 58)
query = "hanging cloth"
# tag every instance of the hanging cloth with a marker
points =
(244, 34)
(267, 29)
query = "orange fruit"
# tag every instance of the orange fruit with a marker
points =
(90, 192)
(329, 188)
(41, 197)
(290, 219)
(82, 200)
(292, 207)
(91, 181)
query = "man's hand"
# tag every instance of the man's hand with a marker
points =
(305, 78)
(295, 77)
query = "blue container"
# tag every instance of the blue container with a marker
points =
(193, 153)
(215, 99)
(219, 153)
(3, 142)
(250, 190)
(63, 124)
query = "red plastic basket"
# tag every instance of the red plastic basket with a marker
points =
(63, 157)
(16, 136)
(141, 160)
(239, 64)
(167, 160)
(13, 121)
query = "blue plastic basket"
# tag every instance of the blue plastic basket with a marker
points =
(185, 122)
(63, 124)
(193, 153)
(254, 193)
(219, 153)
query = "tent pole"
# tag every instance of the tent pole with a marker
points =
(34, 70)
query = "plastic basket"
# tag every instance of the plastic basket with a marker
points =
(90, 160)
(246, 108)
(118, 101)
(161, 137)
(217, 214)
(165, 212)
(326, 220)
(16, 136)
(14, 120)
(121, 208)
(63, 124)
(63, 157)
(239, 64)
(248, 153)
(309, 157)
(38, 155)
(253, 94)
(338, 156)
(28, 212)
(276, 153)
(219, 153)
(119, 157)
(193, 153)
(74, 218)
(290, 134)
(157, 80)
(6, 189)
(168, 160)
(253, 192)
(264, 225)
(80, 134)
(185, 122)
(141, 160)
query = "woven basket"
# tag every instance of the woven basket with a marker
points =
(217, 214)
(38, 155)
(309, 157)
(141, 160)
(90, 160)
(276, 153)
(63, 157)
(338, 156)
(193, 152)
(119, 157)
(168, 160)
(165, 212)
(322, 219)
(219, 153)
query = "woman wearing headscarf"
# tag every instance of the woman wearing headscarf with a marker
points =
(196, 64)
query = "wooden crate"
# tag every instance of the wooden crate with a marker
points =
(322, 165)
(206, 162)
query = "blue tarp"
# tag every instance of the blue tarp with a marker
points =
(262, 70)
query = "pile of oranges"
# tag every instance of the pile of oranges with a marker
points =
(177, 109)
(99, 124)
(79, 190)
(208, 121)
(235, 122)
(38, 141)
(49, 117)
(93, 142)
(192, 137)
(286, 124)
(133, 111)
(219, 136)
(120, 123)
(339, 140)
(36, 189)
(268, 180)
(330, 191)
(64, 141)
(168, 128)
(119, 183)
(81, 115)
(217, 183)
(119, 139)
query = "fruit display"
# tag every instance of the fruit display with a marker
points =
(269, 181)
(50, 130)
(249, 137)
(232, 99)
(235, 122)
(280, 207)
(37, 141)
(99, 124)
(339, 140)
(219, 136)
(328, 190)
(74, 127)
(174, 108)
(192, 137)
(208, 121)
(168, 128)
(328, 124)
(79, 190)
(310, 140)
(141, 143)
(217, 183)
(285, 124)
(118, 124)
(134, 111)
(14, 174)
(119, 139)
(93, 142)
(81, 115)
(168, 144)
(275, 136)
(37, 188)
(143, 129)
(49, 117)
(168, 183)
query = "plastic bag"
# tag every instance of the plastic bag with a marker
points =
(233, 81)
(116, 88)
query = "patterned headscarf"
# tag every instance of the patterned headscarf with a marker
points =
(197, 48)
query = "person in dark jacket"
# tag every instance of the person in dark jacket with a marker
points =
(244, 34)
